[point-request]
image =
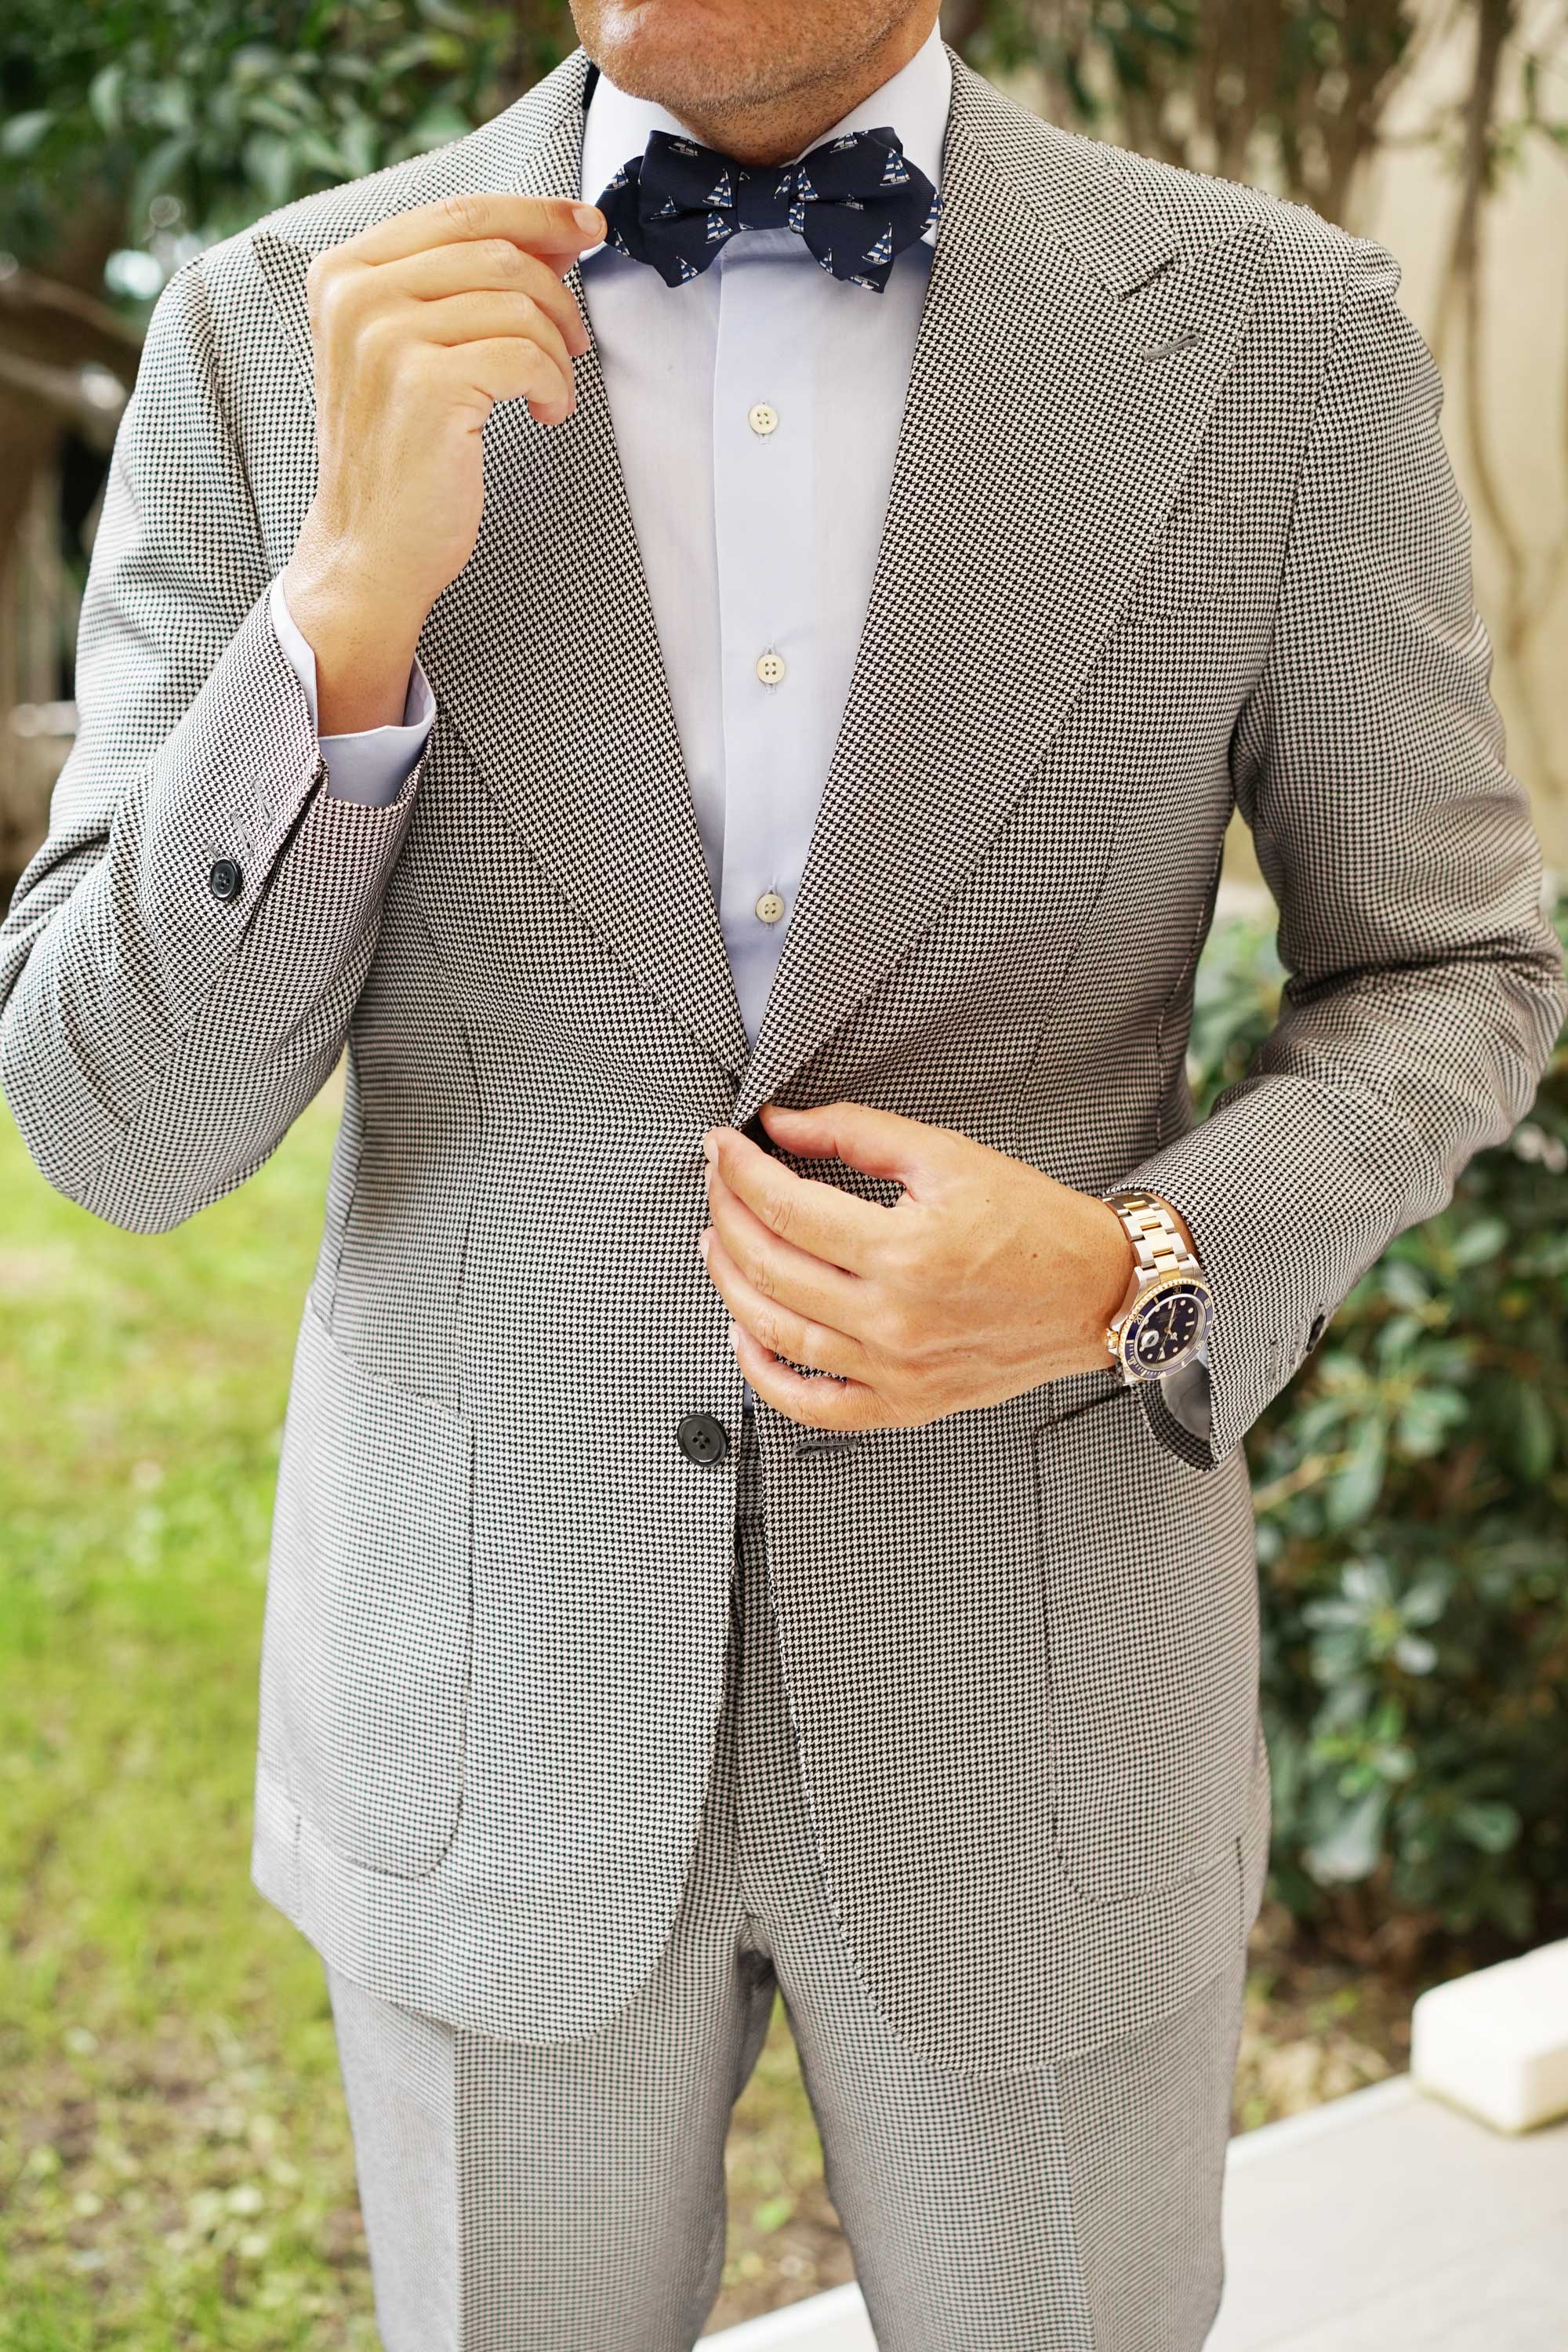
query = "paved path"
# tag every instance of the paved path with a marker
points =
(1384, 2221)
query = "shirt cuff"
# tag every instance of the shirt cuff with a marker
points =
(373, 765)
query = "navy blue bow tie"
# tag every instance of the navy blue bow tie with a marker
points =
(857, 200)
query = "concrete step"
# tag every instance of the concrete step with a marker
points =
(1386, 2221)
(1496, 2041)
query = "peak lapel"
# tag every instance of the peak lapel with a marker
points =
(1040, 452)
(543, 652)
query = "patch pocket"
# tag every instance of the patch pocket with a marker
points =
(1148, 1587)
(1191, 564)
(369, 1618)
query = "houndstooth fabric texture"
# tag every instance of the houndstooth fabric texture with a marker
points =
(1171, 529)
(574, 2196)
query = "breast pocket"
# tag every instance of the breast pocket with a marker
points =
(365, 1645)
(1149, 1587)
(1193, 563)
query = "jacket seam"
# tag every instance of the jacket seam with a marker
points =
(225, 413)
(1330, 347)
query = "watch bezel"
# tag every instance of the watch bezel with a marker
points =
(1125, 1327)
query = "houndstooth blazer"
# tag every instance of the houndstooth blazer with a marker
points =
(1171, 529)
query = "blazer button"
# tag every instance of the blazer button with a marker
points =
(702, 1437)
(226, 880)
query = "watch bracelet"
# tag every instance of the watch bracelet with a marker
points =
(1156, 1238)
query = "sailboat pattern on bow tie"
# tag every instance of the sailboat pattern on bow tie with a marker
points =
(678, 204)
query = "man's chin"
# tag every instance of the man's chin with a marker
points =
(681, 54)
(676, 42)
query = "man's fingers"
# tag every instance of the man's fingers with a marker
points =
(778, 1326)
(489, 265)
(509, 367)
(824, 1219)
(877, 1142)
(793, 1278)
(815, 1400)
(540, 224)
(476, 317)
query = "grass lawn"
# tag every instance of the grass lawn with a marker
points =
(176, 2167)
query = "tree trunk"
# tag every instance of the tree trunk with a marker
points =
(60, 320)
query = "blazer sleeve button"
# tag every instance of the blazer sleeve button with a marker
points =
(226, 881)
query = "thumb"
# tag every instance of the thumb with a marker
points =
(877, 1142)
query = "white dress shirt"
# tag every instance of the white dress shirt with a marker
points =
(756, 412)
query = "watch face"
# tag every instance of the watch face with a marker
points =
(1165, 1329)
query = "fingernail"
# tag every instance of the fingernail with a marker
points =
(589, 216)
(711, 1149)
(703, 1239)
(732, 1332)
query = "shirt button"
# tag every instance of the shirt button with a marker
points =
(770, 907)
(770, 668)
(763, 419)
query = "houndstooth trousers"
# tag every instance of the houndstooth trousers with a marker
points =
(570, 2197)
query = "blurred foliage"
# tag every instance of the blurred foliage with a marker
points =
(1293, 88)
(197, 116)
(1412, 1492)
(201, 114)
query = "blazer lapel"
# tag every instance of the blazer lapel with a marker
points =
(543, 654)
(1040, 449)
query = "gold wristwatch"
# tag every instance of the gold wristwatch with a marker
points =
(1168, 1307)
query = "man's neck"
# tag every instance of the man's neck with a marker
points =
(776, 130)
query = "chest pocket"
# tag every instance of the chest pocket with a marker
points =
(1192, 563)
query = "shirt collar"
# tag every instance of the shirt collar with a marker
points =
(914, 101)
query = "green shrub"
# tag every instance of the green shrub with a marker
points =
(1412, 1492)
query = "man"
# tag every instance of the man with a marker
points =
(769, 664)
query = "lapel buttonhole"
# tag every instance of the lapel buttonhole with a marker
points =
(1176, 343)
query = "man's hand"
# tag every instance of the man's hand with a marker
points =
(984, 1279)
(418, 326)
